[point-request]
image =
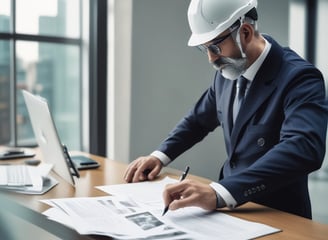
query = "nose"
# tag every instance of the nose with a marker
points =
(212, 57)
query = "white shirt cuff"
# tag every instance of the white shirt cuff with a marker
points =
(162, 157)
(225, 195)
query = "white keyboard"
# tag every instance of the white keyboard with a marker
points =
(15, 176)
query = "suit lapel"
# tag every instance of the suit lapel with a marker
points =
(258, 93)
(228, 94)
(262, 87)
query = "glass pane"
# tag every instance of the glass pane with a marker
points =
(5, 15)
(4, 92)
(51, 71)
(297, 23)
(322, 36)
(48, 17)
(321, 60)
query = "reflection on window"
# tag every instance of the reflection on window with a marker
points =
(4, 92)
(48, 68)
(4, 15)
(51, 71)
(50, 17)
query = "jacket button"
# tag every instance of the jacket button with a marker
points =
(233, 164)
(260, 142)
(254, 190)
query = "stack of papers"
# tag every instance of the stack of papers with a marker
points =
(134, 212)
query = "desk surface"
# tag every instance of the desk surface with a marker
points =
(111, 172)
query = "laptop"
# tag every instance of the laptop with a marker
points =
(47, 137)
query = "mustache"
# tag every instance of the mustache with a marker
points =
(230, 68)
(222, 61)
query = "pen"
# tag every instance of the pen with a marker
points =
(183, 176)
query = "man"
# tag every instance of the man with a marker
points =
(270, 104)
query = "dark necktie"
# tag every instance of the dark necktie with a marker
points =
(240, 94)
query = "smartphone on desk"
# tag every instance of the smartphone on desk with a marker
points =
(82, 162)
(13, 153)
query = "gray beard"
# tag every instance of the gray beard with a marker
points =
(230, 68)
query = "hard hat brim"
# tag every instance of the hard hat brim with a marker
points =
(198, 39)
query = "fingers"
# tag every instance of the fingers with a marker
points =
(170, 193)
(182, 202)
(153, 173)
(177, 195)
(135, 171)
(189, 193)
(139, 173)
(142, 169)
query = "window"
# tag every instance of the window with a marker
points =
(322, 36)
(41, 51)
(297, 23)
(321, 58)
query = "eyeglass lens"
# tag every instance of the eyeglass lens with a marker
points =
(214, 46)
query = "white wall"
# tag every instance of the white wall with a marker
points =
(167, 77)
(119, 79)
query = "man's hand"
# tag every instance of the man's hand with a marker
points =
(143, 168)
(189, 193)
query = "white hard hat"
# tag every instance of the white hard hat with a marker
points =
(209, 18)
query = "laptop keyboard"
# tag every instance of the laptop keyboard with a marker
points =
(15, 176)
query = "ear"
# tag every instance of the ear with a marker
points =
(246, 33)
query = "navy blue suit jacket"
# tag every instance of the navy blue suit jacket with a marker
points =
(278, 138)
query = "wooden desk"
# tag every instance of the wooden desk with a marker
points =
(111, 172)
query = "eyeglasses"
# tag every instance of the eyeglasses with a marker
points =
(214, 46)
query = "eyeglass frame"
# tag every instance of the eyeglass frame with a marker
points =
(214, 46)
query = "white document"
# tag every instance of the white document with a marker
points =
(147, 193)
(135, 212)
(217, 225)
(111, 216)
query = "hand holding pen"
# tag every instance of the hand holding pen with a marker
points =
(183, 176)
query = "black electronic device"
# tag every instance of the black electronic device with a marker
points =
(82, 162)
(13, 153)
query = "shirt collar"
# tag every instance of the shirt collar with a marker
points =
(250, 72)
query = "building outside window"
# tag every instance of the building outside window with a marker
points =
(40, 51)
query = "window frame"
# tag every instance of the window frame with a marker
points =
(12, 36)
(311, 29)
(94, 119)
(98, 77)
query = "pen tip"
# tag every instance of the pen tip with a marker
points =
(165, 210)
